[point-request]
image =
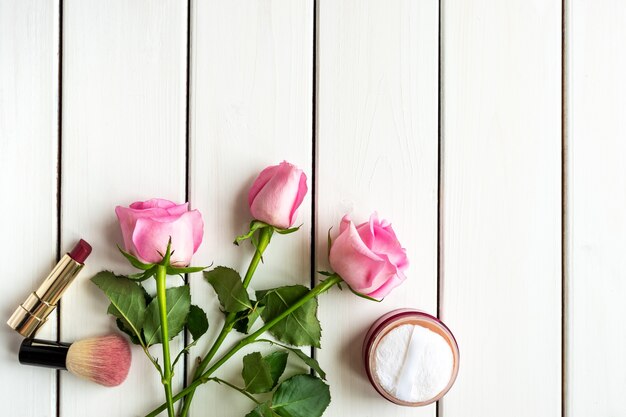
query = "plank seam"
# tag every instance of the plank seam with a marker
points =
(313, 260)
(187, 167)
(439, 404)
(59, 183)
(564, 218)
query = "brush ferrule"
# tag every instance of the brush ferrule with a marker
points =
(44, 353)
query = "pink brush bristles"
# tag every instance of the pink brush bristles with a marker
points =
(104, 360)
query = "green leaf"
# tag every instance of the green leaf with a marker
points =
(329, 242)
(309, 361)
(301, 327)
(277, 361)
(262, 410)
(254, 226)
(128, 300)
(367, 297)
(241, 321)
(184, 351)
(301, 396)
(287, 231)
(256, 374)
(134, 261)
(124, 327)
(174, 270)
(244, 320)
(227, 284)
(142, 276)
(146, 296)
(178, 303)
(197, 322)
(168, 253)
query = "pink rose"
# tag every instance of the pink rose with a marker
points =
(277, 193)
(148, 225)
(369, 257)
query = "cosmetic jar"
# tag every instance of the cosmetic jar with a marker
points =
(406, 357)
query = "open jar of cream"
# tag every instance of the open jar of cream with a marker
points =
(411, 358)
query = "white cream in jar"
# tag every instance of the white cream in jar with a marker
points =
(411, 357)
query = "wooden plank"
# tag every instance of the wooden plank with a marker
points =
(377, 150)
(501, 282)
(596, 200)
(29, 39)
(251, 106)
(124, 103)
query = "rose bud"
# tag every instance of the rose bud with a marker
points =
(369, 257)
(148, 225)
(277, 193)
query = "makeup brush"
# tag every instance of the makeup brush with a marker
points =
(104, 360)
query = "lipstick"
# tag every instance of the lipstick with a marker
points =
(34, 312)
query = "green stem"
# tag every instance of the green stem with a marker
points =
(265, 235)
(236, 388)
(165, 339)
(206, 376)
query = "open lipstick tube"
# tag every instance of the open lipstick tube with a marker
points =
(34, 312)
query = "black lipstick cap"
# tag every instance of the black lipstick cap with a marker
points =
(44, 353)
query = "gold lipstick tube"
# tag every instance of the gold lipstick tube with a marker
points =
(34, 312)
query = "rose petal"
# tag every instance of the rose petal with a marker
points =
(389, 284)
(345, 223)
(274, 202)
(361, 268)
(197, 226)
(153, 203)
(151, 236)
(380, 237)
(127, 224)
(260, 182)
(302, 190)
(128, 217)
(178, 209)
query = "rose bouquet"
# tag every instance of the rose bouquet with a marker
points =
(160, 238)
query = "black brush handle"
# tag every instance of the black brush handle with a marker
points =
(46, 353)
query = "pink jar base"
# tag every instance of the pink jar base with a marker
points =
(393, 319)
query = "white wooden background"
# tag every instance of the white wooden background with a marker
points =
(491, 133)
